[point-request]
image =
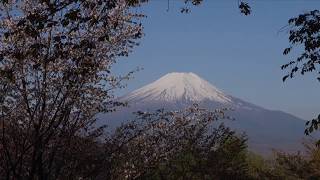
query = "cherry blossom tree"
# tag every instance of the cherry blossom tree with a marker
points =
(55, 66)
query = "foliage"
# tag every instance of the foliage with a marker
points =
(55, 76)
(304, 35)
(55, 66)
(154, 139)
(245, 8)
(259, 167)
(292, 166)
(281, 165)
(297, 165)
(313, 125)
(304, 32)
(222, 157)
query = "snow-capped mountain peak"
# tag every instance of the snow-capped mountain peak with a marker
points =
(176, 91)
(179, 86)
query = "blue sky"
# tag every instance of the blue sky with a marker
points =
(240, 55)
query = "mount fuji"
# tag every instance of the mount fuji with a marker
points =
(265, 129)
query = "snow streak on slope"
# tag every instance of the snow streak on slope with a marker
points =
(179, 86)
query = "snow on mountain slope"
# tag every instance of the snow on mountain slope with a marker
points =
(266, 129)
(179, 86)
